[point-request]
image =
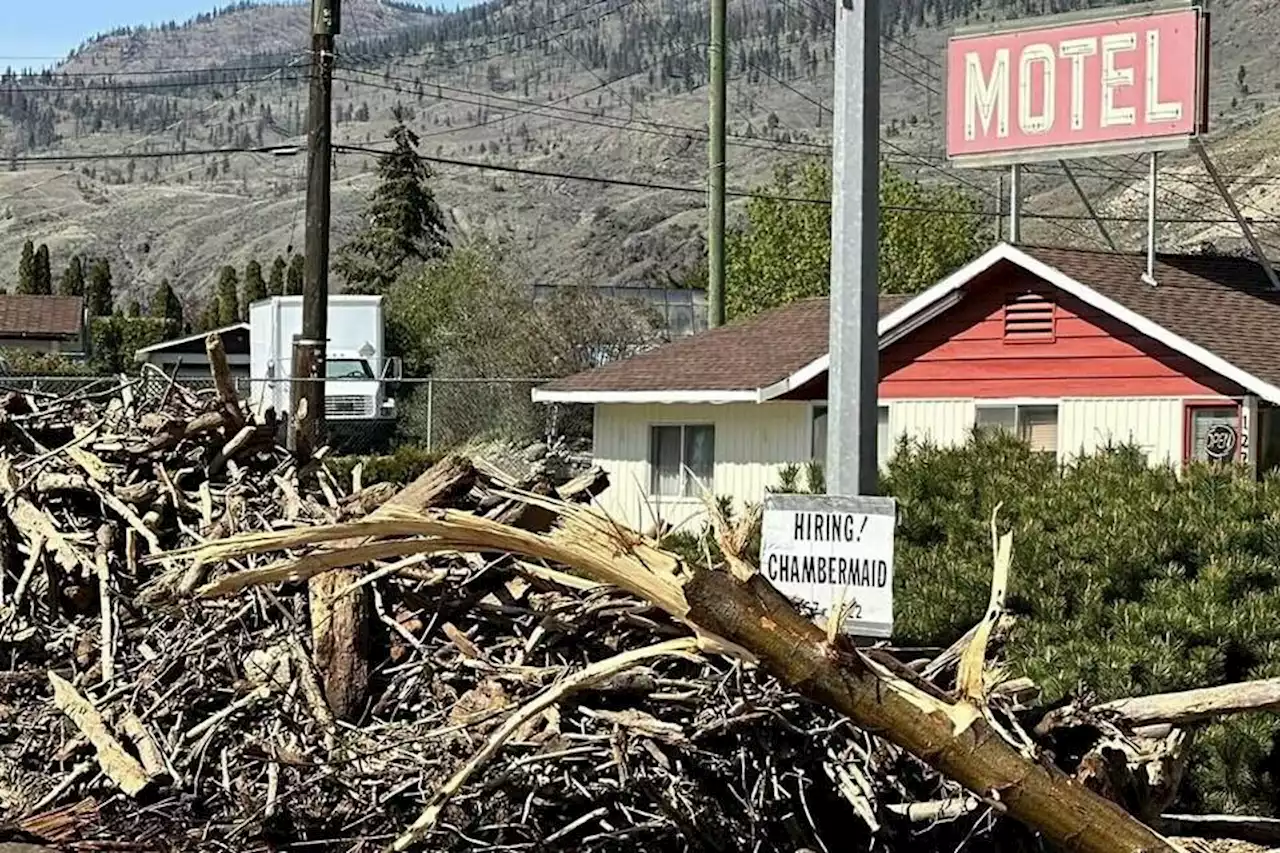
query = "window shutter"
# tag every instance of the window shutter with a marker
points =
(1029, 317)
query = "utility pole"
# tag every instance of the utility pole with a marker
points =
(715, 176)
(306, 423)
(855, 230)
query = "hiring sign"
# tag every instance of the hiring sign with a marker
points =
(826, 550)
(1048, 88)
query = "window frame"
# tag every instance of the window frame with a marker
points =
(684, 470)
(1018, 405)
(1190, 407)
(883, 453)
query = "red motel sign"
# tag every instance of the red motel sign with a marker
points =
(1050, 88)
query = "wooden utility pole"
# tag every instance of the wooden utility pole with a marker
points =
(715, 176)
(306, 422)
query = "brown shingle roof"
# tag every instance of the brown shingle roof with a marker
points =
(1222, 304)
(741, 356)
(40, 316)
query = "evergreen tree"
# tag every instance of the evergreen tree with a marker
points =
(228, 310)
(98, 291)
(254, 287)
(404, 221)
(209, 317)
(41, 275)
(275, 284)
(297, 274)
(27, 269)
(165, 303)
(72, 283)
(135, 308)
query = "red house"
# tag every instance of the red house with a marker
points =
(1070, 349)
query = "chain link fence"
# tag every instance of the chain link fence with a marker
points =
(433, 413)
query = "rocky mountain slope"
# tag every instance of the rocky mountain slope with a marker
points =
(504, 94)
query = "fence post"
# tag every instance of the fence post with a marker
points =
(431, 385)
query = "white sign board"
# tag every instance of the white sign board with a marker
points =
(816, 546)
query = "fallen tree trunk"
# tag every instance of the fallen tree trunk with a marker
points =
(1176, 709)
(1256, 830)
(746, 616)
(340, 623)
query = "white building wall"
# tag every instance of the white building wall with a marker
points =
(752, 442)
(1155, 424)
(945, 423)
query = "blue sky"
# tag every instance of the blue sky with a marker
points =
(31, 33)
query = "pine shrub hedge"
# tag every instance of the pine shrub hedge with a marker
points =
(1127, 579)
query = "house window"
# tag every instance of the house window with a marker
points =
(682, 460)
(819, 435)
(1029, 318)
(1213, 433)
(1036, 425)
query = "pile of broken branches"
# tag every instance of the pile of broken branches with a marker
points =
(207, 646)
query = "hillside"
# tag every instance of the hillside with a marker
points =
(610, 89)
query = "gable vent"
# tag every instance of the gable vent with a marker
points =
(1028, 317)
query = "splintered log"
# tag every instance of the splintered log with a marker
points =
(223, 381)
(118, 765)
(340, 623)
(1181, 708)
(749, 618)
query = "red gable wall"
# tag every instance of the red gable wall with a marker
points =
(963, 353)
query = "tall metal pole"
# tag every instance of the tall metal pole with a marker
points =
(1150, 276)
(716, 164)
(306, 421)
(855, 230)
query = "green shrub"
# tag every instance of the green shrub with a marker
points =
(403, 466)
(1126, 579)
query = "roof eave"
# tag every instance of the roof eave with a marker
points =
(545, 395)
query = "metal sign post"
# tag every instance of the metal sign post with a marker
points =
(855, 229)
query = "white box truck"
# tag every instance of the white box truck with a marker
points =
(358, 372)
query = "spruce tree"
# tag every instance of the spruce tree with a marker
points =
(297, 274)
(405, 222)
(228, 297)
(98, 291)
(275, 284)
(135, 308)
(166, 305)
(72, 283)
(254, 287)
(27, 269)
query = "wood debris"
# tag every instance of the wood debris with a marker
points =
(208, 648)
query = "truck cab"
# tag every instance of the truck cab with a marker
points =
(359, 375)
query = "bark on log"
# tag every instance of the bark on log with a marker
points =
(1187, 706)
(340, 624)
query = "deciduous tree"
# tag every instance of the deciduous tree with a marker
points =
(784, 252)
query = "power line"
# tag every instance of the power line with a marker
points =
(32, 159)
(590, 118)
(625, 182)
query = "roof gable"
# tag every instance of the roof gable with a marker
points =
(1218, 311)
(728, 364)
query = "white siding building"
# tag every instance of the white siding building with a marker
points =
(1068, 349)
